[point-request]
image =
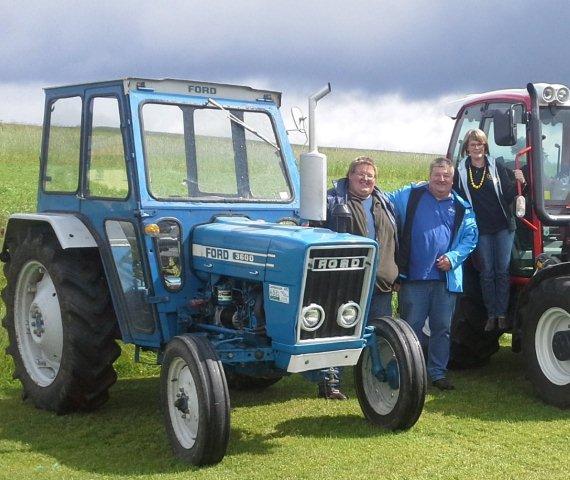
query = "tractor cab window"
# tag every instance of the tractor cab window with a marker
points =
(107, 171)
(61, 171)
(522, 262)
(213, 154)
(555, 124)
(127, 257)
(470, 119)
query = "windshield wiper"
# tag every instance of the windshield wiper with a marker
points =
(235, 119)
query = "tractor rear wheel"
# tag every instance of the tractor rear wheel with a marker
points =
(546, 319)
(392, 399)
(60, 323)
(471, 346)
(195, 400)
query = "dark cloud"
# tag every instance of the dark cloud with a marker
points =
(420, 49)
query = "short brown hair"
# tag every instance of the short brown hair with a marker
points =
(359, 161)
(441, 162)
(477, 135)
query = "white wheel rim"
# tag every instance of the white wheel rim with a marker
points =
(381, 396)
(181, 384)
(37, 323)
(552, 320)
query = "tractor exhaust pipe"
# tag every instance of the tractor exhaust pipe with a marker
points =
(313, 99)
(313, 166)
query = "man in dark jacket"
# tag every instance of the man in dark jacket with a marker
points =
(356, 205)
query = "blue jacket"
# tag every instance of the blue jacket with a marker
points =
(464, 237)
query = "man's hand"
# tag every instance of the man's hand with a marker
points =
(443, 263)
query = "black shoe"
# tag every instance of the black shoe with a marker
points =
(491, 324)
(443, 384)
(330, 393)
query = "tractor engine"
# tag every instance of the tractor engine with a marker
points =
(234, 304)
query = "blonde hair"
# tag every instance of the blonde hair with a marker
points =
(477, 135)
(361, 161)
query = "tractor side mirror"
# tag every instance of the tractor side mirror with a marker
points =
(505, 128)
(298, 119)
(299, 122)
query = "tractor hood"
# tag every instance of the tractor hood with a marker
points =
(257, 250)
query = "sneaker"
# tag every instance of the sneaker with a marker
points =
(443, 384)
(502, 322)
(491, 324)
(330, 393)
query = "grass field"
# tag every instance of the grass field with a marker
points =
(491, 427)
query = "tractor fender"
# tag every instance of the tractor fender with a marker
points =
(69, 230)
(555, 270)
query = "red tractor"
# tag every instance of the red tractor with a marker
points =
(528, 129)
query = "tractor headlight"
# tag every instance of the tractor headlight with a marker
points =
(562, 94)
(549, 94)
(168, 248)
(312, 317)
(348, 315)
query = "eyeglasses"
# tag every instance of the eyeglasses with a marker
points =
(365, 176)
(476, 144)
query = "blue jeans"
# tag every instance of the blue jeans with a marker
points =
(420, 299)
(381, 305)
(494, 257)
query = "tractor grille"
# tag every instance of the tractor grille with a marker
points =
(334, 277)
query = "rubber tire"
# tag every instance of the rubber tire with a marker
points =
(550, 293)
(88, 324)
(412, 376)
(205, 368)
(240, 382)
(471, 346)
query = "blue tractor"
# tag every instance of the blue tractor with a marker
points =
(169, 217)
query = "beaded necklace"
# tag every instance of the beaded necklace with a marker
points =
(477, 186)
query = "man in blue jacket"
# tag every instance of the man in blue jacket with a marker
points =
(437, 231)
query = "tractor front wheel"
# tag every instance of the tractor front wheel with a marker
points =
(546, 340)
(195, 400)
(392, 398)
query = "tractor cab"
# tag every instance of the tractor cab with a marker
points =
(527, 129)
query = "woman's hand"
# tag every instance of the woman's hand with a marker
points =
(519, 176)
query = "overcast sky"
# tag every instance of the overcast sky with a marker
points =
(392, 64)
